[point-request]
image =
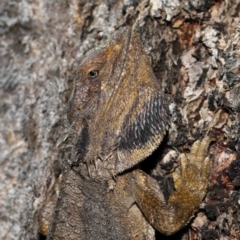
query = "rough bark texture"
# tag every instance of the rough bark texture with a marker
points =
(194, 48)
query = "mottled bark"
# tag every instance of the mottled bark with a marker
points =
(194, 48)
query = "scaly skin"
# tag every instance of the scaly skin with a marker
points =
(119, 117)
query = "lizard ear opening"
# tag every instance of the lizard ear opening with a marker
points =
(143, 130)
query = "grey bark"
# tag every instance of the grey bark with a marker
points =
(195, 51)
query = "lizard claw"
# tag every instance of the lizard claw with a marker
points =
(194, 168)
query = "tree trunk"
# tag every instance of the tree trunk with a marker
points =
(194, 47)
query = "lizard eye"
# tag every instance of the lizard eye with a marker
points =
(93, 74)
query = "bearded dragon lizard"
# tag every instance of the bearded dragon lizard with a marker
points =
(120, 116)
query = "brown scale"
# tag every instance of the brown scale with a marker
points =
(120, 117)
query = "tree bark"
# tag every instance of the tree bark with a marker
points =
(194, 47)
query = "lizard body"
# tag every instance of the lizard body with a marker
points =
(120, 116)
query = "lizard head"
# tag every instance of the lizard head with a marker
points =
(97, 76)
(116, 107)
